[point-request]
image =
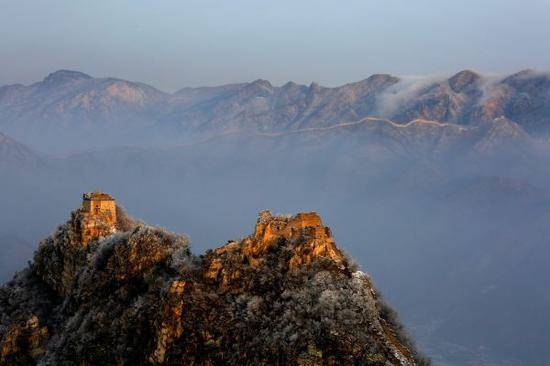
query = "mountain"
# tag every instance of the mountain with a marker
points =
(470, 98)
(466, 98)
(134, 294)
(70, 110)
(262, 107)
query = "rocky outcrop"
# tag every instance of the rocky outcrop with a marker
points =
(61, 77)
(286, 294)
(464, 81)
(27, 338)
(169, 327)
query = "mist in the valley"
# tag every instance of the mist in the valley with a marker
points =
(458, 245)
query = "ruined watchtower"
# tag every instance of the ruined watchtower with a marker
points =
(98, 216)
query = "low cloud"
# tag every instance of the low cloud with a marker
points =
(398, 94)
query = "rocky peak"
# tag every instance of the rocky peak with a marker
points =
(257, 88)
(464, 80)
(64, 76)
(381, 80)
(529, 82)
(519, 76)
(290, 85)
(315, 87)
(263, 83)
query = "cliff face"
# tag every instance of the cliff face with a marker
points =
(284, 295)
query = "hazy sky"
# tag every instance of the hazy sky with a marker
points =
(172, 44)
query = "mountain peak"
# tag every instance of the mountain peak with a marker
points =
(263, 83)
(523, 73)
(526, 78)
(462, 80)
(65, 76)
(380, 79)
(315, 87)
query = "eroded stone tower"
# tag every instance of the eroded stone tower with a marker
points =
(98, 216)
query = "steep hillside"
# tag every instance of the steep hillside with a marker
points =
(283, 295)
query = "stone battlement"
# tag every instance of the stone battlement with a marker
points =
(97, 196)
(98, 216)
(308, 224)
(305, 231)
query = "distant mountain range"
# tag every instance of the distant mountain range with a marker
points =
(70, 110)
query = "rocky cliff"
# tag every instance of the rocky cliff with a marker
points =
(284, 295)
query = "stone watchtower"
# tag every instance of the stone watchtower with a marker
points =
(98, 216)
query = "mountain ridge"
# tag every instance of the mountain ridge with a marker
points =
(69, 108)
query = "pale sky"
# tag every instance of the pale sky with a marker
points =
(176, 43)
